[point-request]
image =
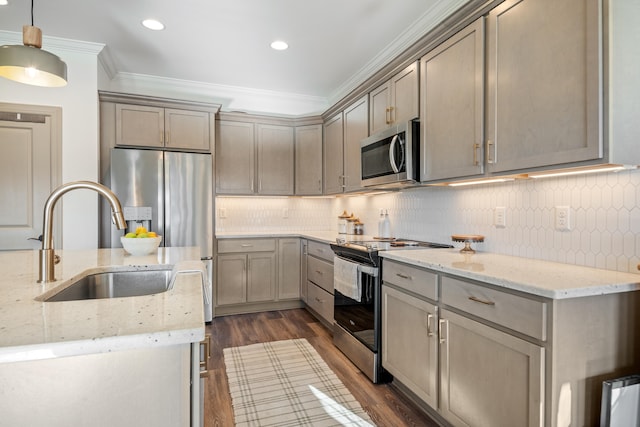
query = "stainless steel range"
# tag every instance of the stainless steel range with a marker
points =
(357, 305)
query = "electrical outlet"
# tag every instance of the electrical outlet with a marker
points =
(222, 213)
(500, 217)
(285, 213)
(563, 218)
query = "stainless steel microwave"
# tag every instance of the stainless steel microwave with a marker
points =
(390, 158)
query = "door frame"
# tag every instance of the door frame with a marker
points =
(55, 178)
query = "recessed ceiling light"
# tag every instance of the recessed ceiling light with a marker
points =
(151, 24)
(279, 45)
(4, 2)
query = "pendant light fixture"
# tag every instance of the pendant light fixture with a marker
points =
(28, 63)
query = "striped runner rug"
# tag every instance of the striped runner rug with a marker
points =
(286, 383)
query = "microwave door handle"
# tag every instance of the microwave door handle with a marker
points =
(402, 151)
(392, 159)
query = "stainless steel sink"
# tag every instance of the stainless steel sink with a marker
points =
(115, 284)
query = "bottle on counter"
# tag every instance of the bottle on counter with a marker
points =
(385, 233)
(381, 223)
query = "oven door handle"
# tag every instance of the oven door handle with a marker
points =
(362, 268)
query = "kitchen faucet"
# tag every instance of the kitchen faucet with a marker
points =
(47, 257)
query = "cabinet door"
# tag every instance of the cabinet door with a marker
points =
(308, 179)
(261, 276)
(138, 125)
(231, 279)
(452, 112)
(275, 159)
(488, 377)
(356, 122)
(288, 269)
(410, 343)
(379, 111)
(235, 158)
(187, 129)
(333, 155)
(303, 269)
(404, 95)
(543, 83)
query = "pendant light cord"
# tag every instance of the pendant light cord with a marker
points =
(32, 13)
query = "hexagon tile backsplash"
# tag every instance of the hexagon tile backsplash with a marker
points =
(604, 217)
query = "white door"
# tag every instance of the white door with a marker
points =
(27, 150)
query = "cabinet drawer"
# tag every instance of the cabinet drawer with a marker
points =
(246, 245)
(321, 273)
(413, 279)
(320, 250)
(512, 311)
(320, 301)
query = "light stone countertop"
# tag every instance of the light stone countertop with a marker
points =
(31, 329)
(320, 236)
(543, 278)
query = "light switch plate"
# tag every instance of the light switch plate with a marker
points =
(500, 217)
(563, 218)
(222, 213)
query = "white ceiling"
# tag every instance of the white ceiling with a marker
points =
(334, 44)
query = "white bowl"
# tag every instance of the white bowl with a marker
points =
(140, 246)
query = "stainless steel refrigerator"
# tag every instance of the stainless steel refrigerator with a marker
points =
(170, 193)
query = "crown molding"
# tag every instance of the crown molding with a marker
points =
(55, 44)
(231, 98)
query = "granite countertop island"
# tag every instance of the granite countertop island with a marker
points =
(31, 329)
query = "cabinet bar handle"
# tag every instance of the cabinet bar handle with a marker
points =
(321, 301)
(319, 272)
(168, 138)
(491, 146)
(475, 153)
(441, 322)
(429, 319)
(404, 276)
(246, 245)
(161, 137)
(204, 364)
(475, 299)
(387, 115)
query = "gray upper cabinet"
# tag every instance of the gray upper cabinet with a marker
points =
(543, 94)
(308, 164)
(235, 158)
(150, 126)
(275, 159)
(254, 158)
(342, 135)
(452, 106)
(356, 122)
(333, 155)
(394, 101)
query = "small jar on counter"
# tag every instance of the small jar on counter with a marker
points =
(351, 224)
(358, 227)
(342, 223)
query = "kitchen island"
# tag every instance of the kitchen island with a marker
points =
(118, 361)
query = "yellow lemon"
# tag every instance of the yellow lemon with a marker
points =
(152, 234)
(141, 230)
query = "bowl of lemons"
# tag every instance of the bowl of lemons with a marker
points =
(142, 242)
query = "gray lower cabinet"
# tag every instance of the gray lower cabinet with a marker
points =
(246, 271)
(411, 323)
(289, 268)
(503, 357)
(319, 283)
(488, 377)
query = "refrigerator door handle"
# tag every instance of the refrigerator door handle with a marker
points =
(166, 171)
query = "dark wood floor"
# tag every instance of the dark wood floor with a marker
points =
(384, 404)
